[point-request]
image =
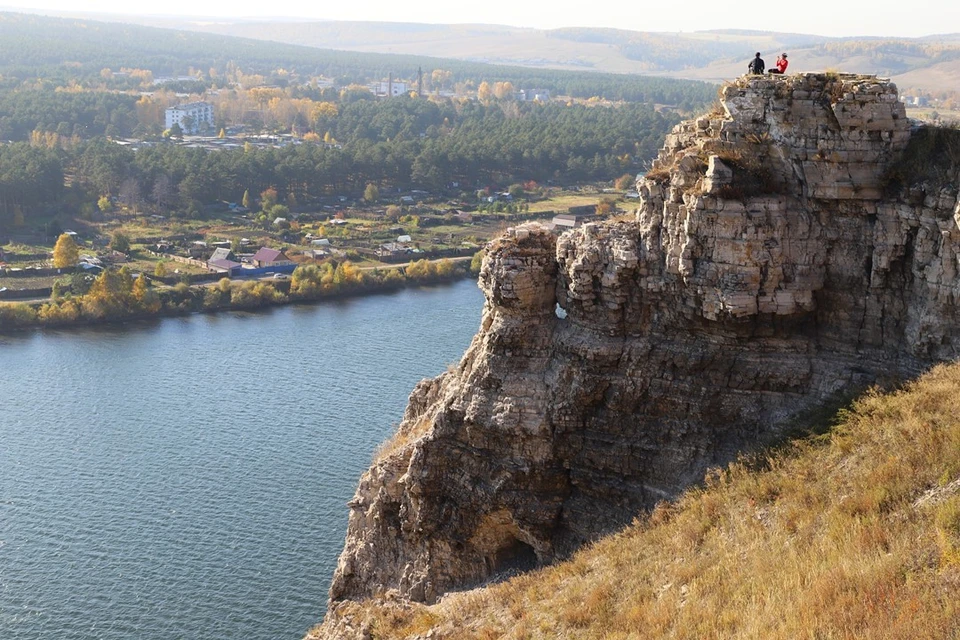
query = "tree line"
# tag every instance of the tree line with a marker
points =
(116, 295)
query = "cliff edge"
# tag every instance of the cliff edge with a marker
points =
(768, 269)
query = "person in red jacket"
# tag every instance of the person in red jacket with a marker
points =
(781, 64)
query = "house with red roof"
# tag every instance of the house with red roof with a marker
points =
(266, 257)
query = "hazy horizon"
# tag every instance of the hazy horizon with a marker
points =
(925, 18)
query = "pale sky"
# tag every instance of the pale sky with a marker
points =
(821, 17)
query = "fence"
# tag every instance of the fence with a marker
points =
(180, 259)
(427, 255)
(189, 278)
(25, 257)
(33, 272)
(23, 294)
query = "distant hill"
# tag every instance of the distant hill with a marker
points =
(928, 63)
(70, 49)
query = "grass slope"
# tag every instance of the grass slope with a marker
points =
(852, 534)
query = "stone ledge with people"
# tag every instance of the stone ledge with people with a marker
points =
(757, 65)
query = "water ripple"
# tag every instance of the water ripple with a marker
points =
(188, 478)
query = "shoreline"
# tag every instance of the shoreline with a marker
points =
(165, 311)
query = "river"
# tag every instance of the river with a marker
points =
(187, 477)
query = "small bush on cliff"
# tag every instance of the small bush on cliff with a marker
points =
(932, 156)
(751, 177)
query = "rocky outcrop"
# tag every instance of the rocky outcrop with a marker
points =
(765, 272)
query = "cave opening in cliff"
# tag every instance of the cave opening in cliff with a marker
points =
(515, 557)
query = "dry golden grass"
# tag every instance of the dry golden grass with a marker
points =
(402, 438)
(854, 534)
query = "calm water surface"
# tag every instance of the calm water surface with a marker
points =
(187, 478)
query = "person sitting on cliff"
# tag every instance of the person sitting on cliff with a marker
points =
(756, 65)
(781, 64)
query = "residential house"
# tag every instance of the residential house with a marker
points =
(267, 257)
(392, 250)
(223, 253)
(223, 261)
(223, 265)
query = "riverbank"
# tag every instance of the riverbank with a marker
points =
(116, 297)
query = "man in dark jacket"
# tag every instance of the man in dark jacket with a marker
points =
(756, 65)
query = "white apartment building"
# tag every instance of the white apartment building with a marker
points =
(192, 117)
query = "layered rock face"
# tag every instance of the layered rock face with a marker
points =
(764, 273)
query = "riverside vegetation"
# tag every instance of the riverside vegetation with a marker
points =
(851, 533)
(115, 295)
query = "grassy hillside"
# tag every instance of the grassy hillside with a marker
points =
(852, 534)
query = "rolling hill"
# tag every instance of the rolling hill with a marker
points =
(927, 64)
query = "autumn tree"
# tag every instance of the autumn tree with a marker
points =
(66, 253)
(110, 295)
(503, 90)
(145, 297)
(440, 78)
(371, 193)
(421, 270)
(624, 182)
(306, 281)
(484, 93)
(268, 198)
(606, 206)
(160, 270)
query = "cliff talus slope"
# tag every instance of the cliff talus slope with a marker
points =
(765, 272)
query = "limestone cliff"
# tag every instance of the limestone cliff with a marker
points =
(765, 271)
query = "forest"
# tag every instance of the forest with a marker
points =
(399, 143)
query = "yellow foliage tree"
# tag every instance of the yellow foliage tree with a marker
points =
(66, 253)
(146, 298)
(484, 92)
(503, 90)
